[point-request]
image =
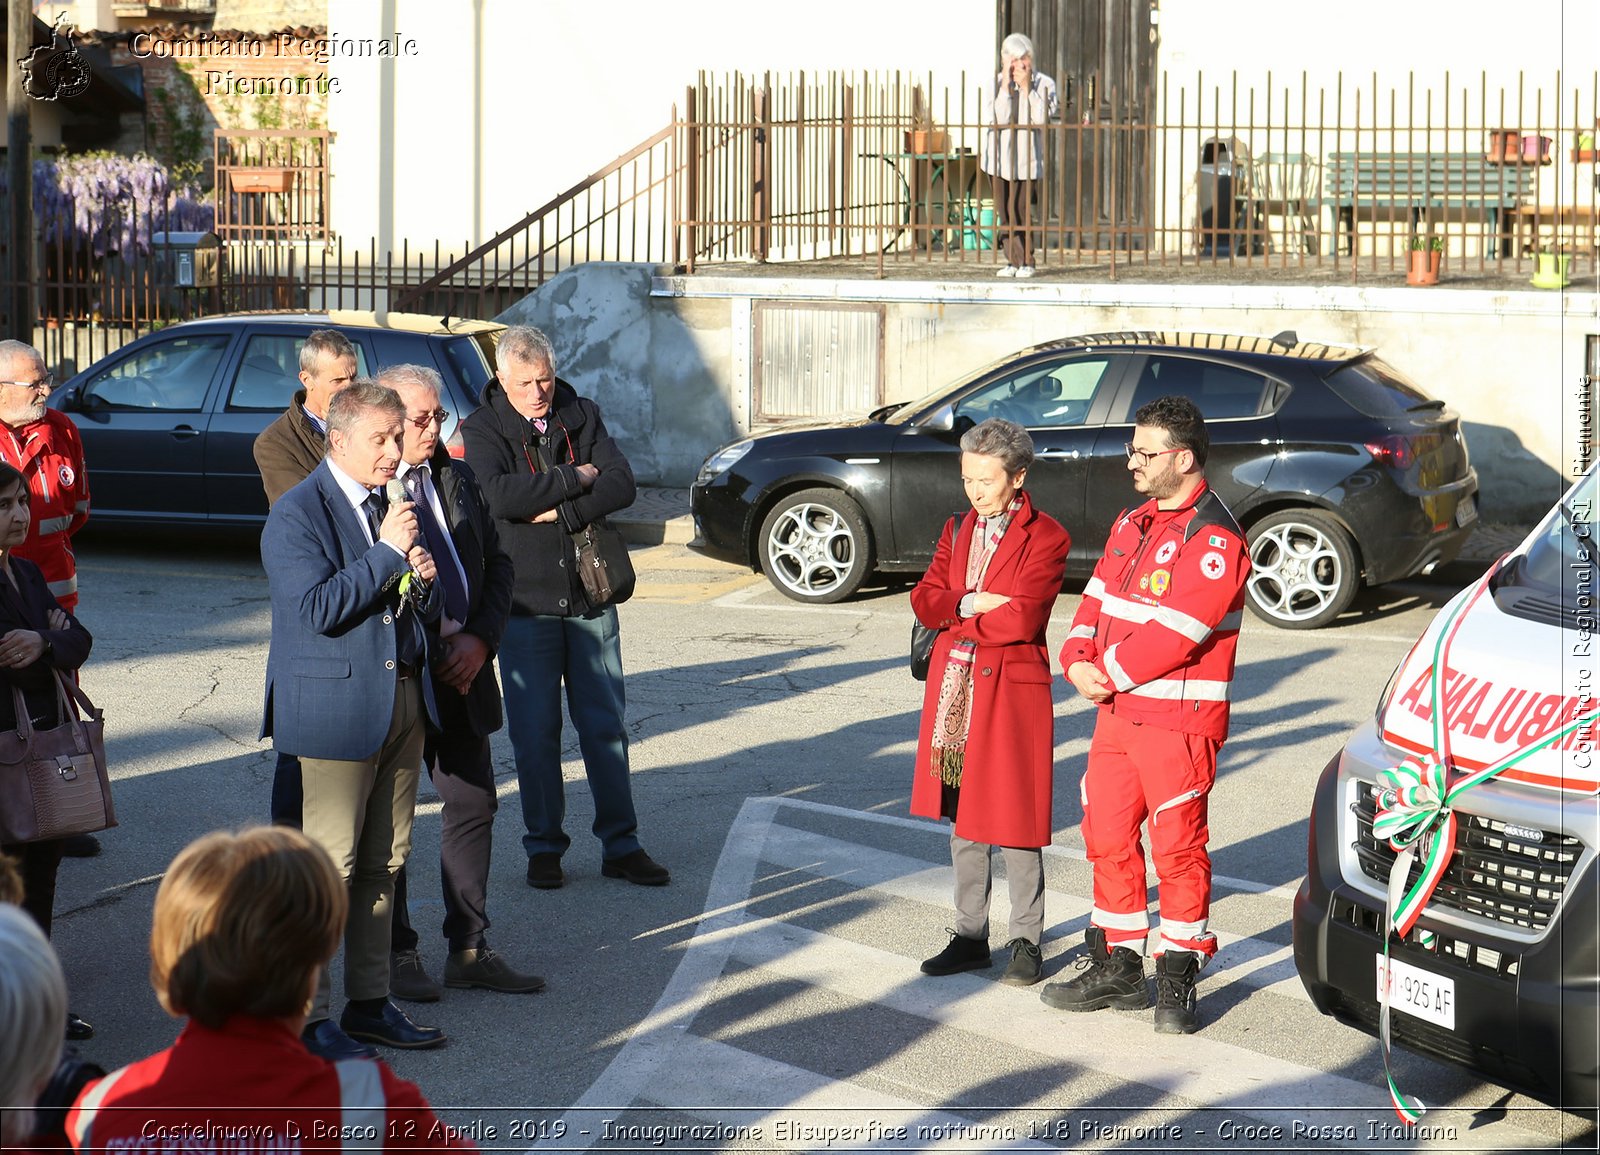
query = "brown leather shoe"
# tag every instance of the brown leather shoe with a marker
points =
(485, 969)
(409, 979)
(638, 868)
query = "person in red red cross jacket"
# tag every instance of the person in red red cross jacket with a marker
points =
(1153, 645)
(44, 446)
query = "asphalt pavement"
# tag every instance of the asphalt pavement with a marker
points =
(769, 998)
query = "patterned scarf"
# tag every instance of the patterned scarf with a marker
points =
(954, 717)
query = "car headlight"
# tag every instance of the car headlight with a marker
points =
(722, 460)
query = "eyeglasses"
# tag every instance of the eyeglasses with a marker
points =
(45, 382)
(423, 420)
(1140, 457)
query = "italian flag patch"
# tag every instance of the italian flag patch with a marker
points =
(1216, 542)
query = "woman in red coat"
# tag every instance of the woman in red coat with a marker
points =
(986, 747)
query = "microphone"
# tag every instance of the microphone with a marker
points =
(395, 490)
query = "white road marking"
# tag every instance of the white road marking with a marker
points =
(664, 1064)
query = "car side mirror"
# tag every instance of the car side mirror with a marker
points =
(942, 419)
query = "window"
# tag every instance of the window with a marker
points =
(1219, 390)
(1044, 394)
(171, 376)
(466, 358)
(269, 371)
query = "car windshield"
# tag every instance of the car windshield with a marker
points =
(1560, 561)
(902, 414)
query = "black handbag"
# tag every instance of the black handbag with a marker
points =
(604, 566)
(922, 639)
(53, 782)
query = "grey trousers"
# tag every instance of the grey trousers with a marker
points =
(360, 813)
(1024, 876)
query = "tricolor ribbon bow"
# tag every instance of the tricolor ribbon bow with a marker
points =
(1414, 816)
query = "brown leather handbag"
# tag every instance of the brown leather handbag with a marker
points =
(53, 782)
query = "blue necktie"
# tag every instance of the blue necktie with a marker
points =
(455, 593)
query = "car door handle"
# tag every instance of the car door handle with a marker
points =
(184, 432)
(1060, 453)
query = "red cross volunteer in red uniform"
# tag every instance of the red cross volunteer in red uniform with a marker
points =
(44, 446)
(1153, 645)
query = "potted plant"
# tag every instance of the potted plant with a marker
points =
(922, 139)
(1427, 253)
(261, 179)
(1583, 149)
(1550, 267)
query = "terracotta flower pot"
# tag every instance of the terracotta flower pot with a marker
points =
(261, 180)
(1424, 267)
(927, 141)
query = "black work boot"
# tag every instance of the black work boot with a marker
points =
(962, 954)
(1106, 978)
(1176, 971)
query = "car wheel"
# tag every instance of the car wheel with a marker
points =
(1303, 569)
(815, 547)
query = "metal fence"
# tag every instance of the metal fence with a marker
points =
(1348, 178)
(272, 184)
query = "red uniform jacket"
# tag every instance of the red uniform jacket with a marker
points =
(1006, 777)
(1161, 615)
(50, 455)
(253, 1087)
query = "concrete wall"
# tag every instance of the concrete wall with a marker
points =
(669, 357)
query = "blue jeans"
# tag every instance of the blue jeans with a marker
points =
(537, 654)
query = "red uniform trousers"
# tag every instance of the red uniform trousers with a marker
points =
(1137, 772)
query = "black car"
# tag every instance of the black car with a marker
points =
(1340, 469)
(168, 421)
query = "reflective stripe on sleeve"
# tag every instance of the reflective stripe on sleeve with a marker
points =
(1081, 632)
(54, 524)
(1095, 588)
(1178, 689)
(362, 1108)
(69, 586)
(89, 1107)
(1119, 676)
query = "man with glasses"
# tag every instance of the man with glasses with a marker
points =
(43, 444)
(476, 578)
(1153, 645)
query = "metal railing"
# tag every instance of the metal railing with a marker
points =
(1344, 179)
(272, 184)
(623, 212)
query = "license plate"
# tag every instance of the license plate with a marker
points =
(1466, 511)
(1420, 994)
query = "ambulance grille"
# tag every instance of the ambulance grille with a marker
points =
(1505, 878)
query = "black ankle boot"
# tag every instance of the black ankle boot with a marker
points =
(1111, 977)
(1176, 971)
(963, 954)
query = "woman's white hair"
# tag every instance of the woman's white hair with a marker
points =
(1015, 47)
(33, 1020)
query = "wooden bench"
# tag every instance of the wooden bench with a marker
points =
(1574, 226)
(1425, 184)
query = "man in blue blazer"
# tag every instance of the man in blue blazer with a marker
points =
(348, 690)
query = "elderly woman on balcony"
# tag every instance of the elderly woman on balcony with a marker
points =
(1020, 101)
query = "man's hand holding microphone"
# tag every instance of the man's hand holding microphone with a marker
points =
(401, 529)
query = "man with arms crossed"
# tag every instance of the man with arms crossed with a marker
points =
(348, 690)
(1153, 645)
(548, 468)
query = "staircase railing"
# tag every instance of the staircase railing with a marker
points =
(622, 212)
